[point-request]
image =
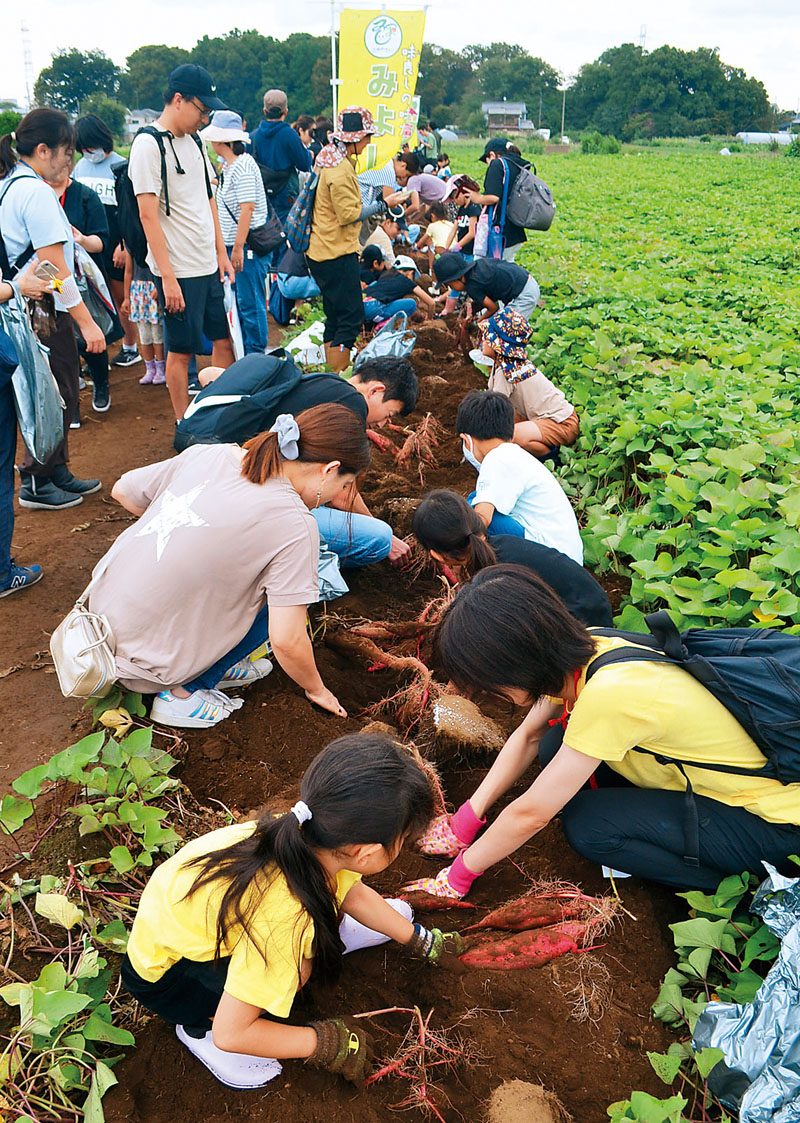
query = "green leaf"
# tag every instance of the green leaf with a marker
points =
(762, 945)
(121, 859)
(29, 784)
(706, 1059)
(700, 933)
(114, 936)
(665, 1067)
(99, 1027)
(699, 961)
(58, 909)
(14, 812)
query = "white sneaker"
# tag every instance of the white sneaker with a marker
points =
(355, 935)
(244, 672)
(200, 710)
(236, 1070)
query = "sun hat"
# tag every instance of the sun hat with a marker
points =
(226, 128)
(508, 331)
(459, 183)
(275, 99)
(450, 267)
(405, 262)
(497, 144)
(354, 123)
(192, 80)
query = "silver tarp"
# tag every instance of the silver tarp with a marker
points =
(760, 1075)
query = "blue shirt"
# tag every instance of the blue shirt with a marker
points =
(32, 215)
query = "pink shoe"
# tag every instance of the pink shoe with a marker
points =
(148, 377)
(159, 378)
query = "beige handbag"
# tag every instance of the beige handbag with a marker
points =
(83, 650)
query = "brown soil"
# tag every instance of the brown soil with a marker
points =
(520, 1102)
(522, 1022)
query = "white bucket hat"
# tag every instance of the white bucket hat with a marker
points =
(226, 127)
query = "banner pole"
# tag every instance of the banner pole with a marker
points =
(334, 82)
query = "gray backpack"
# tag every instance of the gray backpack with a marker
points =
(530, 201)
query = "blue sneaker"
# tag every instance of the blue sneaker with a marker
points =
(19, 577)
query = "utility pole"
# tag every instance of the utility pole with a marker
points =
(334, 78)
(27, 62)
(540, 109)
(563, 108)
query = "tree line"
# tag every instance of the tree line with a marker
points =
(627, 91)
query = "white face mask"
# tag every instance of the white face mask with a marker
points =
(469, 455)
(94, 155)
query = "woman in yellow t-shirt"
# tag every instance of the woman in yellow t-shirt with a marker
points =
(231, 926)
(507, 633)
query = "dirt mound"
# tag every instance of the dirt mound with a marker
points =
(516, 1101)
(459, 720)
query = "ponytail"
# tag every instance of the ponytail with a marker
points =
(364, 788)
(45, 126)
(327, 432)
(445, 522)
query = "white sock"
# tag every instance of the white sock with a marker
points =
(355, 935)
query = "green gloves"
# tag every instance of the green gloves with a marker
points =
(434, 945)
(340, 1049)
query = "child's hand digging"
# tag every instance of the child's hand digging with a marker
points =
(340, 1049)
(441, 949)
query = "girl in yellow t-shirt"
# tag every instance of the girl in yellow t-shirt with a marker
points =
(231, 926)
(509, 634)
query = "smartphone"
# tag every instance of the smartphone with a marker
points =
(46, 271)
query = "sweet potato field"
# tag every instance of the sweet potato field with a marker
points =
(671, 318)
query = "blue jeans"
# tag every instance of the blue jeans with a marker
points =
(258, 634)
(376, 310)
(297, 288)
(501, 524)
(8, 441)
(356, 539)
(251, 301)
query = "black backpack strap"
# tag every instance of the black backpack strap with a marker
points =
(9, 270)
(158, 137)
(201, 146)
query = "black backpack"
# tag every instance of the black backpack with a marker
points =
(274, 181)
(130, 223)
(753, 672)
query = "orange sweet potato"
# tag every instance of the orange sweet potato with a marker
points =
(524, 949)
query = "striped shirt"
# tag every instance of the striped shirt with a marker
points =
(372, 183)
(240, 182)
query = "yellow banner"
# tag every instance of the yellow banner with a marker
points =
(378, 65)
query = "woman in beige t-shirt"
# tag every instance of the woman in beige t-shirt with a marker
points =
(224, 558)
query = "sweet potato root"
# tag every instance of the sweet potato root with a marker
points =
(528, 912)
(385, 444)
(427, 902)
(525, 949)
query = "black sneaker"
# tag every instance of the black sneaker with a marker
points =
(76, 417)
(101, 398)
(43, 495)
(127, 357)
(19, 577)
(194, 386)
(64, 479)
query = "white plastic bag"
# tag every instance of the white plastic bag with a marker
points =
(234, 326)
(39, 405)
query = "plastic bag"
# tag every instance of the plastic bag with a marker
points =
(331, 582)
(96, 297)
(759, 1077)
(479, 246)
(393, 340)
(39, 405)
(232, 313)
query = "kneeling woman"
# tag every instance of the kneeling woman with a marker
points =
(237, 921)
(446, 525)
(224, 556)
(506, 633)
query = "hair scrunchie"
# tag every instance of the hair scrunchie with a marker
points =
(13, 138)
(288, 432)
(301, 812)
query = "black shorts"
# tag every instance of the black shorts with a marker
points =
(204, 314)
(340, 285)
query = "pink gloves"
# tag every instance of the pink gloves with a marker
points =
(450, 835)
(454, 882)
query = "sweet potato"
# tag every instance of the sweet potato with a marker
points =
(524, 949)
(427, 902)
(529, 912)
(385, 444)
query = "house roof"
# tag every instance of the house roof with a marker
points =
(515, 108)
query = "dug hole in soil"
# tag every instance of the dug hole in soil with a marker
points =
(579, 1026)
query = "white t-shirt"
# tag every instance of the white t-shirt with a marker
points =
(189, 229)
(100, 177)
(519, 485)
(240, 182)
(32, 215)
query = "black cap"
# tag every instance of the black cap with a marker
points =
(192, 80)
(497, 145)
(450, 266)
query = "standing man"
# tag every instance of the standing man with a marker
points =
(281, 152)
(171, 177)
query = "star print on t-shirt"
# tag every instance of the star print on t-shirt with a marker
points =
(174, 512)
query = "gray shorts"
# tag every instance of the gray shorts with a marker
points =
(527, 300)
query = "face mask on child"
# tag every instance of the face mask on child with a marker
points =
(95, 155)
(469, 455)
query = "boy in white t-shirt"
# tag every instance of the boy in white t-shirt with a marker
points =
(516, 493)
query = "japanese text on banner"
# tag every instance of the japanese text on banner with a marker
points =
(378, 65)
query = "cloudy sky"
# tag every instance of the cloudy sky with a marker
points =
(764, 39)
